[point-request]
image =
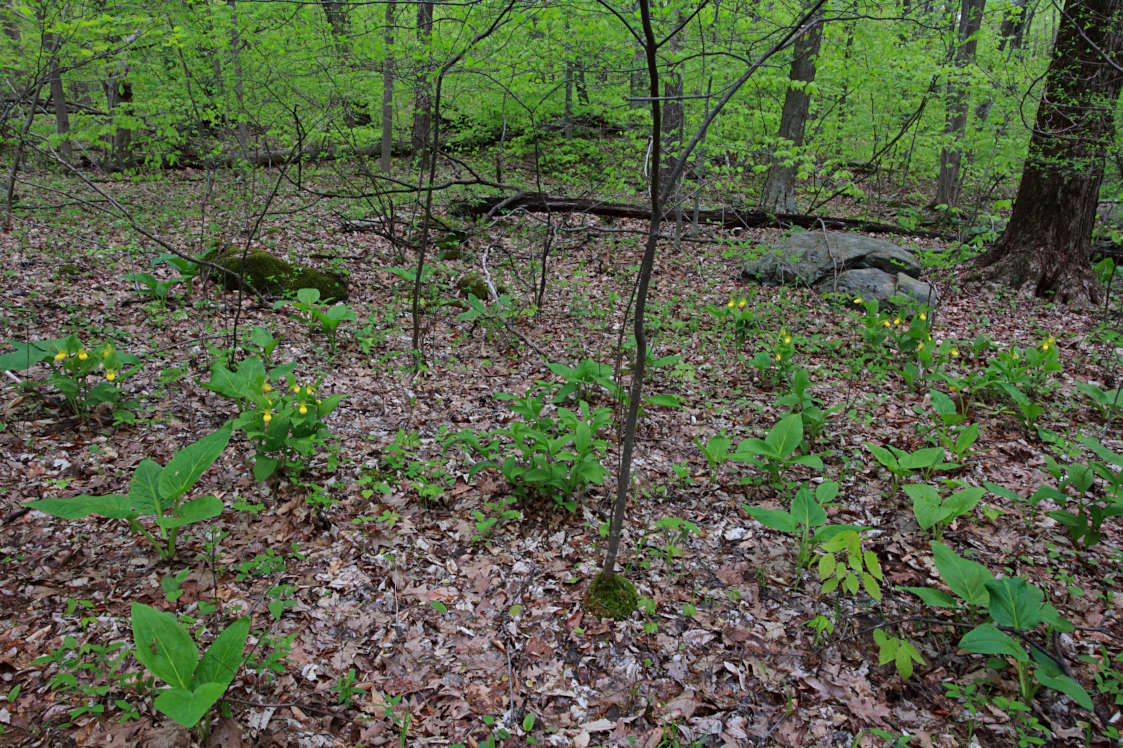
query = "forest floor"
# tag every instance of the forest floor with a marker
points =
(386, 608)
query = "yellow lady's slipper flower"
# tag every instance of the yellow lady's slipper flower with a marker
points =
(923, 316)
(303, 409)
(953, 388)
(60, 356)
(857, 299)
(82, 355)
(897, 321)
(954, 352)
(267, 416)
(296, 388)
(110, 375)
(308, 390)
(777, 356)
(885, 323)
(731, 304)
(1047, 343)
(920, 346)
(741, 304)
(266, 387)
(318, 402)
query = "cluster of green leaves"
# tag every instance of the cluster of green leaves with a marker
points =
(554, 456)
(86, 375)
(1006, 604)
(318, 314)
(286, 425)
(158, 289)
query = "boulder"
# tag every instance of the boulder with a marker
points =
(271, 275)
(847, 263)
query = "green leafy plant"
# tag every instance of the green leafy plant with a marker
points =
(900, 652)
(1107, 402)
(86, 375)
(581, 380)
(806, 514)
(1009, 603)
(493, 515)
(934, 512)
(157, 492)
(345, 688)
(901, 463)
(286, 425)
(950, 429)
(857, 567)
(318, 314)
(553, 457)
(149, 285)
(716, 451)
(169, 652)
(800, 400)
(776, 451)
(1076, 481)
(262, 343)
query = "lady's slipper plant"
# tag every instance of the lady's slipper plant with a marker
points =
(285, 422)
(86, 375)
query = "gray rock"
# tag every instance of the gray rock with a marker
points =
(835, 261)
(870, 283)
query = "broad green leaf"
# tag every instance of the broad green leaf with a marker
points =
(192, 511)
(751, 447)
(925, 504)
(308, 296)
(163, 646)
(1015, 602)
(27, 355)
(963, 501)
(777, 519)
(186, 706)
(111, 505)
(185, 467)
(806, 510)
(987, 639)
(922, 458)
(884, 456)
(144, 488)
(965, 578)
(785, 436)
(222, 659)
(932, 596)
(826, 565)
(264, 466)
(1067, 686)
(226, 382)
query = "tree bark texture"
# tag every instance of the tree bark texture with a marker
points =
(955, 122)
(1047, 243)
(388, 76)
(778, 194)
(422, 96)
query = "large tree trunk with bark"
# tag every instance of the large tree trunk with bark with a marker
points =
(1047, 242)
(778, 195)
(422, 95)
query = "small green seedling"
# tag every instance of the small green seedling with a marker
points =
(935, 513)
(900, 463)
(777, 450)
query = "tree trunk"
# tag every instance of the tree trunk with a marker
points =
(955, 121)
(242, 131)
(388, 90)
(58, 99)
(778, 195)
(422, 98)
(1046, 244)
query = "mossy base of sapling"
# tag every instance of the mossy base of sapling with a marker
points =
(610, 596)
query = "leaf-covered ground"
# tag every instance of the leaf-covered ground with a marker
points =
(448, 637)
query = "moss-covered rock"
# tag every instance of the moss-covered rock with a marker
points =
(474, 285)
(610, 596)
(272, 275)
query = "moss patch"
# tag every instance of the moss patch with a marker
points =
(610, 597)
(272, 275)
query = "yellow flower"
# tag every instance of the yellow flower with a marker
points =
(777, 356)
(787, 338)
(929, 336)
(318, 402)
(267, 416)
(923, 316)
(954, 352)
(920, 346)
(108, 349)
(308, 390)
(731, 304)
(953, 388)
(885, 323)
(266, 387)
(1047, 343)
(897, 321)
(82, 355)
(303, 409)
(60, 355)
(857, 299)
(741, 304)
(296, 388)
(110, 375)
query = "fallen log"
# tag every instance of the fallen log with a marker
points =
(728, 218)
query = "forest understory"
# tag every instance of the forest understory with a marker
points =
(397, 595)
